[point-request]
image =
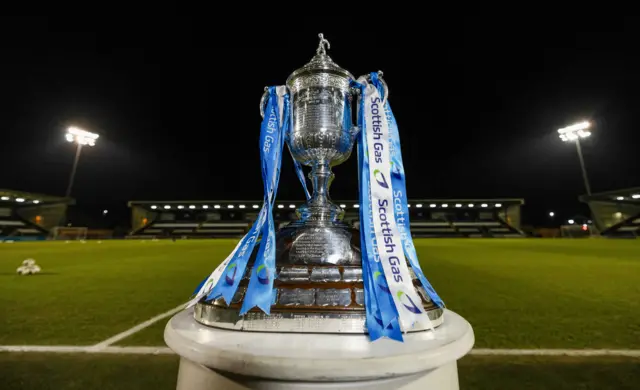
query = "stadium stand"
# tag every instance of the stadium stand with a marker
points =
(616, 213)
(429, 217)
(29, 216)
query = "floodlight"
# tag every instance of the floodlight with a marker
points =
(575, 131)
(81, 137)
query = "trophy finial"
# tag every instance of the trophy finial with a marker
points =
(323, 45)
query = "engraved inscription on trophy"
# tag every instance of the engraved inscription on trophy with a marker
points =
(322, 110)
(310, 247)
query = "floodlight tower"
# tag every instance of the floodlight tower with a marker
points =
(81, 138)
(574, 133)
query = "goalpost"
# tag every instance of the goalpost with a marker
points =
(69, 233)
(578, 231)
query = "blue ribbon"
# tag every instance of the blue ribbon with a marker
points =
(381, 313)
(270, 141)
(398, 182)
(260, 290)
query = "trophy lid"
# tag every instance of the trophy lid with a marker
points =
(320, 63)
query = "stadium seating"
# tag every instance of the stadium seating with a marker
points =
(429, 217)
(27, 216)
(616, 213)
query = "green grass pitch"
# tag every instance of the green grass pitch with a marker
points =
(517, 293)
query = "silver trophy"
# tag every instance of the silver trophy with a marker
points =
(319, 286)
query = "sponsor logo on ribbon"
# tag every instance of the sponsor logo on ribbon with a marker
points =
(263, 274)
(380, 179)
(232, 269)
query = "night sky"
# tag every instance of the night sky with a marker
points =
(175, 102)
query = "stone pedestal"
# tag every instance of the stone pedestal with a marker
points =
(214, 358)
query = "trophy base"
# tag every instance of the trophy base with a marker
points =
(210, 314)
(318, 286)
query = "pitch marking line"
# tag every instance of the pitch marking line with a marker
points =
(138, 328)
(635, 353)
(555, 352)
(87, 349)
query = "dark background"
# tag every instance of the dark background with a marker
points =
(175, 101)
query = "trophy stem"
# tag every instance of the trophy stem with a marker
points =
(321, 177)
(320, 207)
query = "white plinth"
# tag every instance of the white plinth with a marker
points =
(224, 359)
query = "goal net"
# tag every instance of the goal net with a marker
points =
(69, 233)
(578, 231)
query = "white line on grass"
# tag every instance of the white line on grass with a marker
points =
(555, 352)
(87, 349)
(138, 328)
(635, 353)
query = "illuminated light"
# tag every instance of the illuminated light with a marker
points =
(589, 221)
(552, 214)
(583, 134)
(498, 204)
(341, 206)
(38, 218)
(154, 207)
(36, 201)
(167, 207)
(216, 206)
(356, 206)
(575, 127)
(81, 137)
(458, 205)
(575, 131)
(470, 205)
(181, 207)
(230, 206)
(484, 205)
(19, 200)
(635, 196)
(409, 205)
(192, 207)
(105, 212)
(5, 198)
(620, 198)
(255, 206)
(445, 205)
(280, 206)
(571, 221)
(618, 215)
(205, 207)
(293, 206)
(432, 205)
(242, 206)
(419, 205)
(585, 227)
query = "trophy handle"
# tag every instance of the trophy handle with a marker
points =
(263, 101)
(385, 87)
